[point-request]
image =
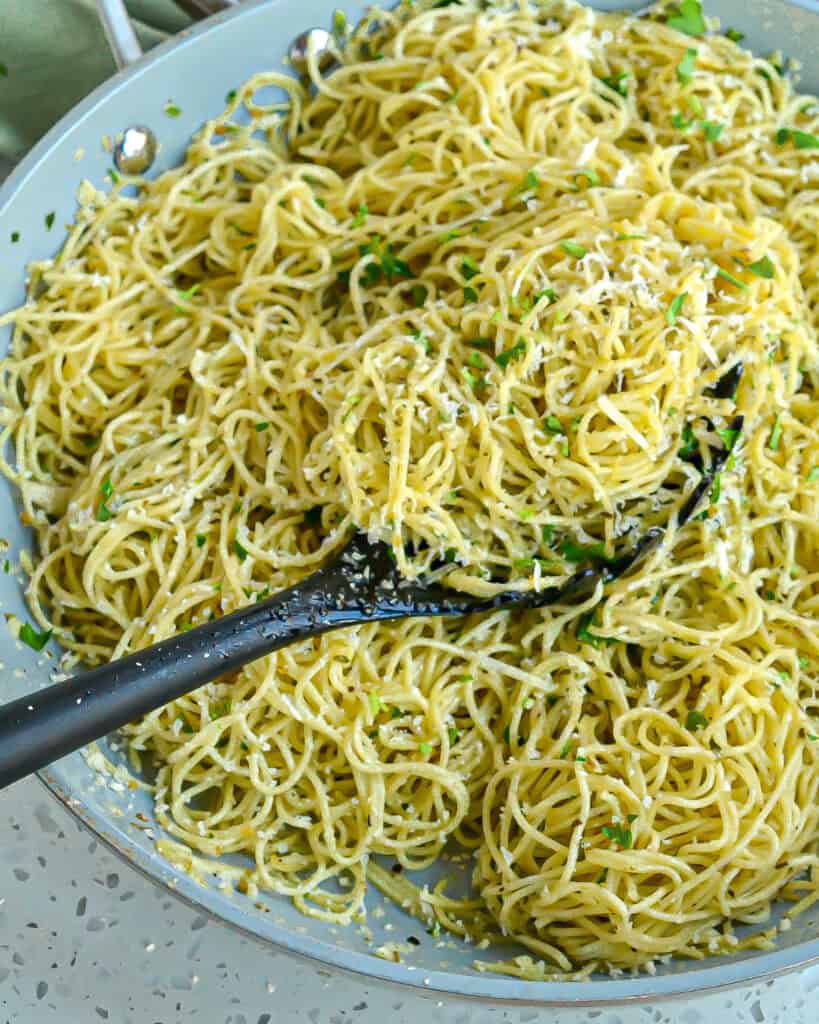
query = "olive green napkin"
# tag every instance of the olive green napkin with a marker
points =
(52, 53)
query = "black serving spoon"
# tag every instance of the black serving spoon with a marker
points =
(362, 584)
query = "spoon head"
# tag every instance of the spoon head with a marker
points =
(136, 150)
(316, 41)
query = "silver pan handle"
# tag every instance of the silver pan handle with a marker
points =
(120, 32)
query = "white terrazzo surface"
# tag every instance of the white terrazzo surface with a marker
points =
(84, 938)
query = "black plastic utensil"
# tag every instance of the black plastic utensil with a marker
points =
(361, 584)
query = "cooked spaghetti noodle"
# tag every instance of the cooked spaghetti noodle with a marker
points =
(471, 292)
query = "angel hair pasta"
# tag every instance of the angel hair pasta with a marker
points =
(472, 291)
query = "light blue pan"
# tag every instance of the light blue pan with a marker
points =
(195, 71)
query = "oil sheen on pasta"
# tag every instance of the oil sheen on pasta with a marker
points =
(472, 289)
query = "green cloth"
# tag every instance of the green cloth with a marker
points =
(55, 52)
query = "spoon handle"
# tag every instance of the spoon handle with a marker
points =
(45, 725)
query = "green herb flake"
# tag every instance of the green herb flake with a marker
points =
(727, 275)
(690, 445)
(239, 549)
(361, 217)
(553, 425)
(172, 110)
(220, 709)
(776, 435)
(230, 96)
(104, 513)
(685, 69)
(762, 268)
(695, 720)
(675, 308)
(425, 749)
(618, 834)
(15, 236)
(585, 178)
(469, 268)
(4, 70)
(374, 702)
(35, 640)
(734, 35)
(49, 220)
(106, 488)
(728, 437)
(813, 475)
(802, 140)
(617, 83)
(200, 540)
(454, 735)
(511, 355)
(574, 249)
(711, 130)
(680, 123)
(188, 293)
(259, 427)
(688, 18)
(574, 552)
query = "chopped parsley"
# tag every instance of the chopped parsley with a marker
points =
(728, 437)
(574, 249)
(776, 434)
(375, 703)
(511, 355)
(425, 749)
(469, 268)
(813, 475)
(617, 82)
(695, 720)
(762, 268)
(49, 220)
(239, 549)
(690, 445)
(618, 834)
(530, 182)
(386, 263)
(4, 71)
(574, 552)
(172, 110)
(454, 735)
(35, 640)
(15, 236)
(200, 540)
(476, 359)
(259, 427)
(688, 18)
(802, 140)
(188, 293)
(585, 635)
(675, 308)
(546, 293)
(220, 709)
(361, 217)
(734, 35)
(230, 96)
(680, 122)
(685, 69)
(726, 275)
(238, 229)
(553, 425)
(470, 295)
(591, 178)
(711, 130)
(103, 512)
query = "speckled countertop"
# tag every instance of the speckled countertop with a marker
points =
(84, 938)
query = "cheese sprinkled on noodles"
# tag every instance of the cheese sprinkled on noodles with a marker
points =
(470, 292)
